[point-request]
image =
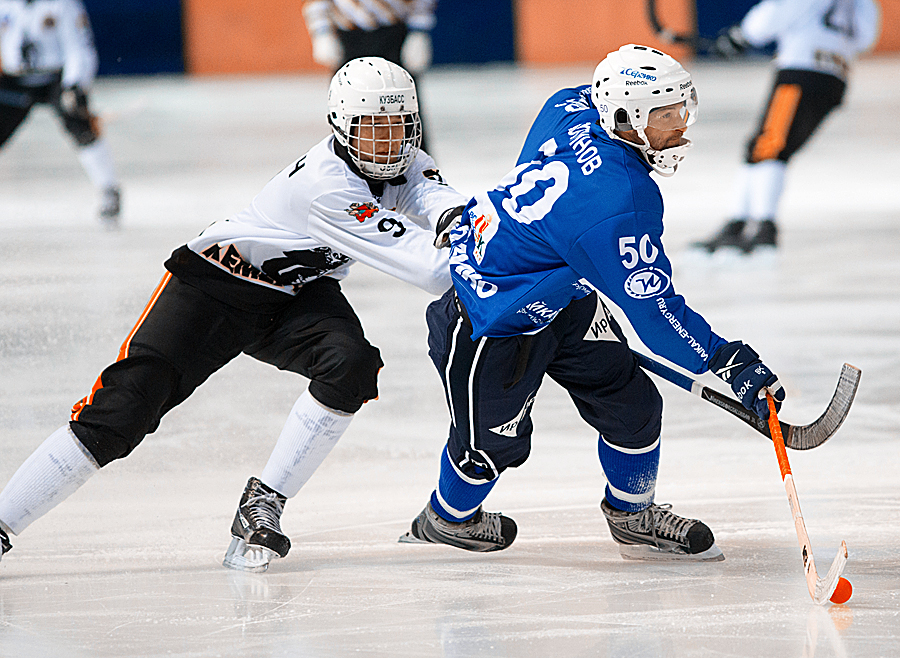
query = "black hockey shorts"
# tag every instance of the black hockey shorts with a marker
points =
(797, 106)
(385, 42)
(184, 336)
(491, 383)
(17, 98)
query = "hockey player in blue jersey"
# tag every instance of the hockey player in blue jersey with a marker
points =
(578, 214)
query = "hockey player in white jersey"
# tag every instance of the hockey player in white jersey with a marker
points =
(816, 40)
(48, 57)
(579, 214)
(265, 282)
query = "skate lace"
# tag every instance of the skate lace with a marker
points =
(264, 511)
(487, 527)
(658, 521)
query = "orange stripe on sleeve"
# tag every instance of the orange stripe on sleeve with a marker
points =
(778, 123)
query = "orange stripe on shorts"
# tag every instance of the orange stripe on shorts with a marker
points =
(123, 351)
(778, 123)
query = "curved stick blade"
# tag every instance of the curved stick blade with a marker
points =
(805, 437)
(825, 586)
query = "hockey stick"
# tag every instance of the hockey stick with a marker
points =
(797, 437)
(692, 40)
(820, 589)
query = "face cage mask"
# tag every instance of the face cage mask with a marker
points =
(380, 150)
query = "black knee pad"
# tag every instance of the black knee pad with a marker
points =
(346, 374)
(133, 396)
(77, 118)
(83, 129)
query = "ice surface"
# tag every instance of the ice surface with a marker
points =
(130, 564)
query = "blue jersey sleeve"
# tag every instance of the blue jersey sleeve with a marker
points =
(623, 257)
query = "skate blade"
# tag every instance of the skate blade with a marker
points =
(410, 538)
(246, 557)
(644, 552)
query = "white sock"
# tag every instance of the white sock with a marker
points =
(740, 207)
(98, 163)
(765, 186)
(50, 475)
(309, 434)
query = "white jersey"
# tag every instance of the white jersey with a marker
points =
(814, 35)
(328, 15)
(317, 217)
(45, 37)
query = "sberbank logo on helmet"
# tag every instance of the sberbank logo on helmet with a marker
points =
(388, 99)
(638, 75)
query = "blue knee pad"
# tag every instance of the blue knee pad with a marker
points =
(630, 474)
(457, 497)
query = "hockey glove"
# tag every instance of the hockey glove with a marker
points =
(416, 51)
(749, 378)
(327, 50)
(448, 221)
(731, 43)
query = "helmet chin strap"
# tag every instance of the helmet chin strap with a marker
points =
(664, 161)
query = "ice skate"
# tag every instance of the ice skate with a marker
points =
(110, 207)
(5, 544)
(656, 533)
(486, 531)
(256, 537)
(729, 236)
(765, 237)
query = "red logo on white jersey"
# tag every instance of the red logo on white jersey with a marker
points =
(362, 211)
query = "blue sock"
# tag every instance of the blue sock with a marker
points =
(630, 475)
(457, 497)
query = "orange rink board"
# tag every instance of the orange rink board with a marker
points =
(243, 36)
(558, 31)
(246, 36)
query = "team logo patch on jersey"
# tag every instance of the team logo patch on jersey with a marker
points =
(647, 282)
(362, 211)
(483, 229)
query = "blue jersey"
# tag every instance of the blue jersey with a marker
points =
(579, 212)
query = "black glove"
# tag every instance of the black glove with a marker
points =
(730, 43)
(448, 221)
(750, 379)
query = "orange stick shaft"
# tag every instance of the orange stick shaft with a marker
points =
(778, 439)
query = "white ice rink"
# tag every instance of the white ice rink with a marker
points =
(130, 564)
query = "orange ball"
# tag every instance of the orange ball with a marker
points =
(842, 592)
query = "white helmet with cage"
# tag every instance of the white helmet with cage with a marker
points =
(373, 110)
(630, 88)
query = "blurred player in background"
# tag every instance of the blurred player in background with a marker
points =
(48, 57)
(397, 30)
(264, 282)
(816, 42)
(580, 213)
